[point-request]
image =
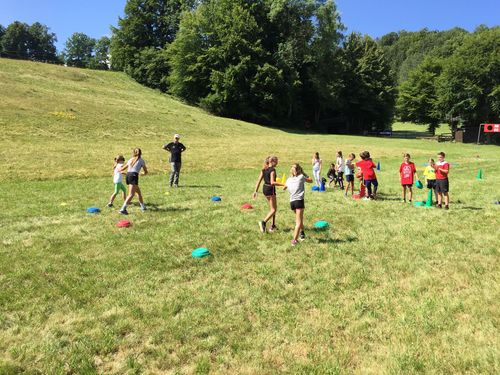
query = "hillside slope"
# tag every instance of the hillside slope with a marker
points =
(66, 122)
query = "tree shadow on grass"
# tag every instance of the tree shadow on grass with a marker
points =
(472, 208)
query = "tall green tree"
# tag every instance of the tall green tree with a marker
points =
(406, 50)
(325, 69)
(100, 59)
(368, 88)
(215, 56)
(137, 44)
(2, 33)
(469, 86)
(418, 98)
(79, 50)
(41, 43)
(16, 41)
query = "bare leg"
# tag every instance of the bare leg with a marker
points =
(446, 199)
(411, 193)
(112, 198)
(272, 209)
(131, 193)
(299, 222)
(139, 195)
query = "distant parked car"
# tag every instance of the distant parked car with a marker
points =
(386, 133)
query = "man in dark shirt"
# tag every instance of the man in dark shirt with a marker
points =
(176, 149)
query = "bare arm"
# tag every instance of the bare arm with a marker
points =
(124, 168)
(257, 185)
(273, 180)
(145, 169)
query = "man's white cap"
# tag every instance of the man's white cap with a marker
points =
(177, 136)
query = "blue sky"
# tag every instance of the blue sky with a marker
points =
(372, 17)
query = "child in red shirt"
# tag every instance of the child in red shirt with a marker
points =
(407, 170)
(367, 167)
(442, 168)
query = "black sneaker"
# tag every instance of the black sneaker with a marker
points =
(446, 207)
(302, 235)
(439, 206)
(262, 226)
(123, 212)
(110, 205)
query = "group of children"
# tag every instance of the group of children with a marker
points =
(366, 173)
(436, 175)
(436, 178)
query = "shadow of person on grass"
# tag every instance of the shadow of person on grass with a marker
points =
(330, 240)
(199, 186)
(159, 208)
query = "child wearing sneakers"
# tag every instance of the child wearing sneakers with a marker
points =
(442, 169)
(133, 168)
(118, 180)
(349, 174)
(407, 171)
(367, 167)
(430, 177)
(295, 186)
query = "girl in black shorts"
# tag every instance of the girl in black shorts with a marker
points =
(268, 174)
(133, 168)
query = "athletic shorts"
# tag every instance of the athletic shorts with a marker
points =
(442, 186)
(407, 185)
(132, 178)
(120, 187)
(269, 190)
(294, 205)
(349, 177)
(369, 183)
(431, 184)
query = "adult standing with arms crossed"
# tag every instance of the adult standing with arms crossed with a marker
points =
(176, 149)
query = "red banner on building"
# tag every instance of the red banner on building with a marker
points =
(492, 128)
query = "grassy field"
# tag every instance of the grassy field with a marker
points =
(389, 288)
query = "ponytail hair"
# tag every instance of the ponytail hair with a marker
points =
(266, 162)
(137, 155)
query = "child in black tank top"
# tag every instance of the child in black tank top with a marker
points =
(268, 174)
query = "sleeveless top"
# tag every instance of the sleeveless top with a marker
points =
(266, 173)
(316, 165)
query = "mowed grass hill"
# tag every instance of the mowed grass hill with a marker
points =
(389, 288)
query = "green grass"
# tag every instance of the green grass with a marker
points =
(389, 288)
(408, 126)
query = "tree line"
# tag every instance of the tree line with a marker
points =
(289, 63)
(35, 42)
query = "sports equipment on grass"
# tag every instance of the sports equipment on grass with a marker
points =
(419, 204)
(93, 210)
(124, 224)
(215, 198)
(419, 184)
(200, 252)
(315, 188)
(479, 174)
(321, 224)
(356, 196)
(378, 166)
(428, 202)
(246, 206)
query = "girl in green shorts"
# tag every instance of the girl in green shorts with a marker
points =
(118, 180)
